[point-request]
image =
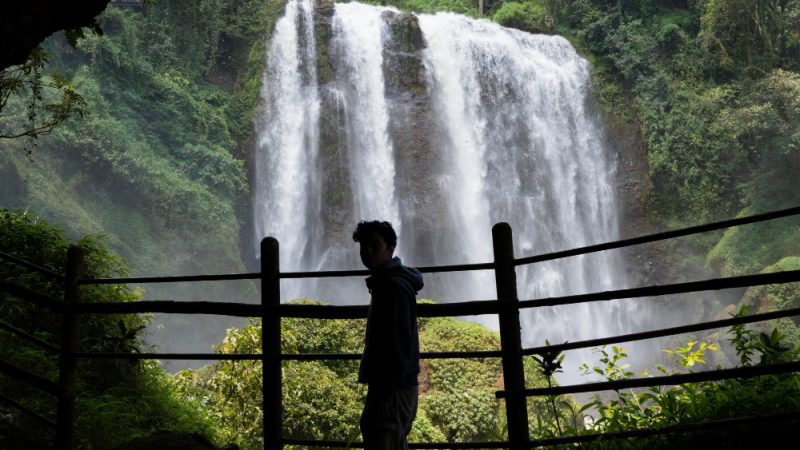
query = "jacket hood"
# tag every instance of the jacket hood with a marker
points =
(394, 268)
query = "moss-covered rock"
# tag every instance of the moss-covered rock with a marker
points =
(323, 12)
(772, 297)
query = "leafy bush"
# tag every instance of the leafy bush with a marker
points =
(664, 406)
(169, 92)
(460, 399)
(117, 399)
(323, 400)
(528, 16)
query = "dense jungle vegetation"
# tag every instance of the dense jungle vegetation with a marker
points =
(121, 401)
(157, 164)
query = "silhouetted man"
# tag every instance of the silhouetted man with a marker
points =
(390, 363)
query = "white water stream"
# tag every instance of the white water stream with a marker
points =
(518, 141)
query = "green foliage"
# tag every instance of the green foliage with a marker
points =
(49, 100)
(777, 297)
(529, 16)
(762, 128)
(757, 34)
(323, 400)
(142, 403)
(713, 87)
(463, 415)
(550, 363)
(611, 368)
(460, 399)
(694, 402)
(690, 355)
(29, 237)
(158, 165)
(117, 400)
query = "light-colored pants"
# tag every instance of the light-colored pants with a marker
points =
(387, 418)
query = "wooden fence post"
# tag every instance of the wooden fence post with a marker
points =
(70, 340)
(272, 403)
(510, 337)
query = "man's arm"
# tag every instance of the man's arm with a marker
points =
(403, 326)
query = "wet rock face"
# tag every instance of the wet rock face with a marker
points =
(404, 71)
(411, 126)
(336, 192)
(412, 129)
(337, 196)
(323, 12)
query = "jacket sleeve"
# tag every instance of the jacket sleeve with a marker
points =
(402, 331)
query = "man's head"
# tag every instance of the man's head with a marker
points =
(377, 240)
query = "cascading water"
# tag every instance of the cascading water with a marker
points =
(356, 45)
(472, 125)
(288, 192)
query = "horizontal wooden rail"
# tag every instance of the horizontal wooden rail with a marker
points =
(31, 296)
(428, 445)
(31, 378)
(672, 429)
(31, 413)
(667, 380)
(286, 310)
(171, 279)
(170, 306)
(285, 356)
(660, 236)
(461, 354)
(663, 332)
(31, 266)
(425, 310)
(223, 308)
(286, 275)
(29, 337)
(456, 268)
(325, 274)
(468, 308)
(361, 273)
(172, 356)
(788, 276)
(422, 355)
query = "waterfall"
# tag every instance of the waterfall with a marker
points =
(358, 34)
(287, 185)
(445, 135)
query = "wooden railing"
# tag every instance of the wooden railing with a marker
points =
(507, 306)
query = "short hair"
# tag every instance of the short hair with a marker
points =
(383, 228)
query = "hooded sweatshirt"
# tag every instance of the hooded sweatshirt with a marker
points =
(391, 345)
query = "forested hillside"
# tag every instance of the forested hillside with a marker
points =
(714, 88)
(159, 162)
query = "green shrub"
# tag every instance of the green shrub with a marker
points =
(117, 400)
(531, 16)
(323, 400)
(665, 406)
